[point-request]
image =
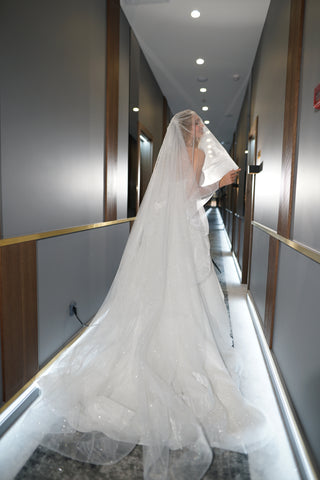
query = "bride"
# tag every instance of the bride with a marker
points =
(156, 366)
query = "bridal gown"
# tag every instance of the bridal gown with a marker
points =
(156, 366)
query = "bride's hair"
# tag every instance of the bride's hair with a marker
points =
(187, 120)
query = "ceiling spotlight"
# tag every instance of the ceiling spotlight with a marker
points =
(195, 14)
(236, 77)
(246, 151)
(207, 122)
(205, 108)
(135, 109)
(203, 90)
(202, 79)
(200, 61)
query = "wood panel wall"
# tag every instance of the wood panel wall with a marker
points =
(291, 117)
(18, 315)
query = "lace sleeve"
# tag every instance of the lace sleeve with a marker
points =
(209, 190)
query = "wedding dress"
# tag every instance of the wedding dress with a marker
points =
(156, 366)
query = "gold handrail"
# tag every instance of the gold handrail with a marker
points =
(40, 372)
(299, 247)
(56, 233)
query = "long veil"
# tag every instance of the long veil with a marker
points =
(156, 366)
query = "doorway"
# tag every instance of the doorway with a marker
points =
(140, 168)
(145, 162)
(249, 203)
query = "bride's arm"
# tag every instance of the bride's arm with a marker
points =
(227, 179)
(209, 189)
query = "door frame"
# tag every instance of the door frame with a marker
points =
(249, 202)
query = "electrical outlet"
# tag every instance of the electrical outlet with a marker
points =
(72, 306)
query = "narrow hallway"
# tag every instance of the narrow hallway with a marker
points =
(277, 463)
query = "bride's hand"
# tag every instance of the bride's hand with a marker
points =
(229, 178)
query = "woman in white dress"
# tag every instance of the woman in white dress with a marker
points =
(156, 366)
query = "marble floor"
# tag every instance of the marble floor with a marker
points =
(18, 460)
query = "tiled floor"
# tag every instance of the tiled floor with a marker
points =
(274, 463)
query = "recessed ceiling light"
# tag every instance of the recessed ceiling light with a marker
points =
(236, 77)
(207, 122)
(195, 14)
(203, 90)
(135, 109)
(205, 108)
(202, 79)
(246, 151)
(200, 61)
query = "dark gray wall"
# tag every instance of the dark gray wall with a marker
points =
(53, 71)
(81, 266)
(297, 326)
(52, 113)
(123, 126)
(268, 94)
(307, 201)
(259, 269)
(296, 337)
(77, 267)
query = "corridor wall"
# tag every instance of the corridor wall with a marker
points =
(297, 306)
(267, 102)
(284, 274)
(53, 161)
(52, 114)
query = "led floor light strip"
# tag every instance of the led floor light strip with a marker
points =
(17, 408)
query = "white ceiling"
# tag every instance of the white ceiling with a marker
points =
(226, 36)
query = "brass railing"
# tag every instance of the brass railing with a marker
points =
(56, 233)
(299, 247)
